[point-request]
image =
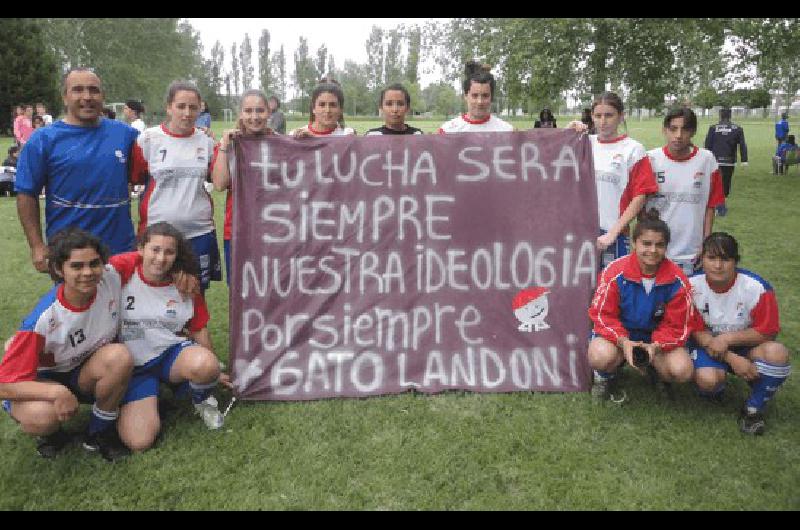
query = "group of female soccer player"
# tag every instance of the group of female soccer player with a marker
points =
(670, 299)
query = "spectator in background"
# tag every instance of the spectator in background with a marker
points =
(8, 172)
(109, 113)
(277, 121)
(82, 161)
(782, 128)
(779, 160)
(204, 118)
(586, 119)
(133, 111)
(722, 140)
(19, 116)
(546, 120)
(38, 122)
(23, 125)
(41, 110)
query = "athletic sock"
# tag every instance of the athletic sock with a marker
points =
(771, 377)
(200, 391)
(605, 376)
(101, 420)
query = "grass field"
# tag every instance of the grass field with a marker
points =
(455, 450)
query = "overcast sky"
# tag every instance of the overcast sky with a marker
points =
(345, 38)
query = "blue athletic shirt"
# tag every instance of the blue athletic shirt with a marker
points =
(84, 171)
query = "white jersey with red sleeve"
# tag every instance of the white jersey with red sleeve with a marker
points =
(155, 315)
(57, 336)
(749, 303)
(686, 189)
(622, 172)
(465, 124)
(178, 167)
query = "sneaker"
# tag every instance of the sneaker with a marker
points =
(52, 444)
(603, 388)
(208, 409)
(107, 443)
(751, 423)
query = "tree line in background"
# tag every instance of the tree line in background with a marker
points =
(649, 60)
(538, 62)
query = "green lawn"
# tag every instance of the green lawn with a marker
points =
(454, 450)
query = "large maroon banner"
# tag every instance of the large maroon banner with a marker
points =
(374, 265)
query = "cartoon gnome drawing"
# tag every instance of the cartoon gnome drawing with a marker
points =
(530, 308)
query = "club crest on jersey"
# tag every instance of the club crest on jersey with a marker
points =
(171, 311)
(201, 154)
(52, 324)
(120, 156)
(698, 179)
(740, 310)
(617, 160)
(530, 307)
(112, 308)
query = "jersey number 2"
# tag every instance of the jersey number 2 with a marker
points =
(130, 307)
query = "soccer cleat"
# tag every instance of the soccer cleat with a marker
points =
(208, 409)
(751, 423)
(107, 443)
(52, 444)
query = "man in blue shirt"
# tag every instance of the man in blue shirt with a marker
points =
(82, 164)
(782, 128)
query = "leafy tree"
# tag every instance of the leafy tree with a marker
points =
(441, 98)
(304, 73)
(706, 98)
(332, 66)
(393, 57)
(322, 56)
(412, 60)
(417, 100)
(129, 54)
(246, 63)
(30, 71)
(279, 70)
(216, 66)
(357, 97)
(771, 45)
(375, 59)
(235, 72)
(264, 66)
